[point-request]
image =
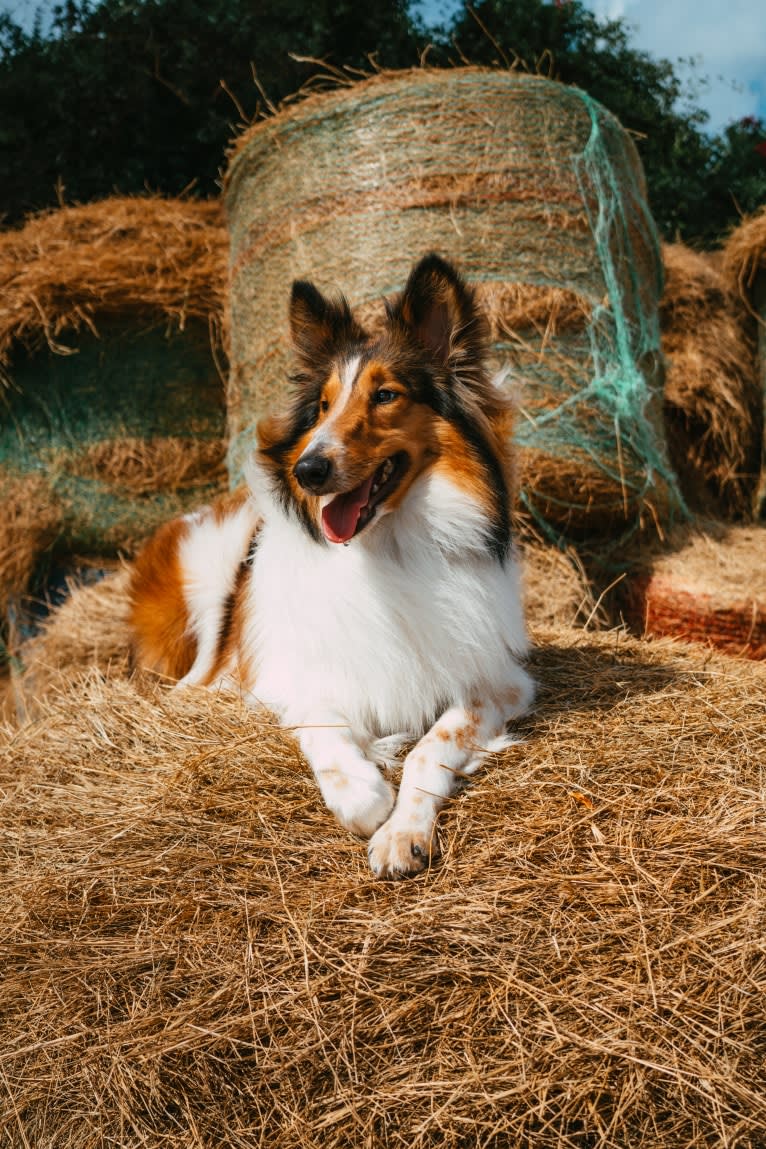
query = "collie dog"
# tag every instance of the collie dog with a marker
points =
(365, 588)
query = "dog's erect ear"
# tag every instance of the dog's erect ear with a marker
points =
(439, 310)
(319, 326)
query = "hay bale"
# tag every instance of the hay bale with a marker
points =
(538, 194)
(196, 954)
(713, 401)
(710, 588)
(109, 332)
(744, 254)
(555, 588)
(744, 263)
(30, 523)
(64, 269)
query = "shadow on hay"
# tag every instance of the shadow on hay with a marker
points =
(585, 678)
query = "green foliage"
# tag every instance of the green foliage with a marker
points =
(131, 94)
(128, 94)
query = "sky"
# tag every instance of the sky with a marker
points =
(727, 41)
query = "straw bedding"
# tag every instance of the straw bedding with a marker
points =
(713, 401)
(196, 955)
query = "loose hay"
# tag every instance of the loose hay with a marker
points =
(64, 269)
(196, 954)
(142, 466)
(744, 254)
(29, 523)
(709, 587)
(713, 401)
(555, 588)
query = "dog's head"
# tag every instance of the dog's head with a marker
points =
(372, 414)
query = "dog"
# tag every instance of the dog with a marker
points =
(366, 587)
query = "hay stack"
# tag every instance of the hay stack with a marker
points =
(109, 324)
(710, 587)
(744, 263)
(713, 401)
(539, 196)
(196, 954)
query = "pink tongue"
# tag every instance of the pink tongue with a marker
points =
(339, 518)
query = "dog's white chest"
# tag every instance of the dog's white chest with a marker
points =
(384, 642)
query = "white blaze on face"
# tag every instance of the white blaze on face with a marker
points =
(325, 437)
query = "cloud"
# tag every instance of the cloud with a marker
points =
(726, 40)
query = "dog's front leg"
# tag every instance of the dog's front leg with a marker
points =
(453, 748)
(352, 786)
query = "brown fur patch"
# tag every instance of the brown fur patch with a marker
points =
(158, 614)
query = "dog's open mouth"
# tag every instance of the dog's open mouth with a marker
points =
(348, 514)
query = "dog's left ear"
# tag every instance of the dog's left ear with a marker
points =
(439, 309)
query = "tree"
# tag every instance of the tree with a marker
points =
(129, 94)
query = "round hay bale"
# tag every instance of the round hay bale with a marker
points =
(112, 409)
(713, 400)
(712, 589)
(744, 263)
(194, 953)
(538, 194)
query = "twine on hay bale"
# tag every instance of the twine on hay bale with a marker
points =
(710, 589)
(744, 262)
(538, 194)
(713, 401)
(195, 952)
(110, 319)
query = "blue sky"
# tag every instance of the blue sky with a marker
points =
(727, 41)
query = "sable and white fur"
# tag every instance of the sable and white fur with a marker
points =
(366, 589)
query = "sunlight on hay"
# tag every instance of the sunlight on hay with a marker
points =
(196, 954)
(709, 585)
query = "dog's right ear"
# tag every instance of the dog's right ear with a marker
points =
(320, 327)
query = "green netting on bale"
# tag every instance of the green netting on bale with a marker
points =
(526, 184)
(100, 446)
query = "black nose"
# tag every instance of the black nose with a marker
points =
(313, 471)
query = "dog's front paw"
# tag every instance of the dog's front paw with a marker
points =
(361, 804)
(399, 850)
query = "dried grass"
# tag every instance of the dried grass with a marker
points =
(143, 466)
(144, 255)
(744, 254)
(713, 403)
(29, 523)
(555, 588)
(195, 954)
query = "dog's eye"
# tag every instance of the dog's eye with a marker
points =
(384, 396)
(324, 405)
